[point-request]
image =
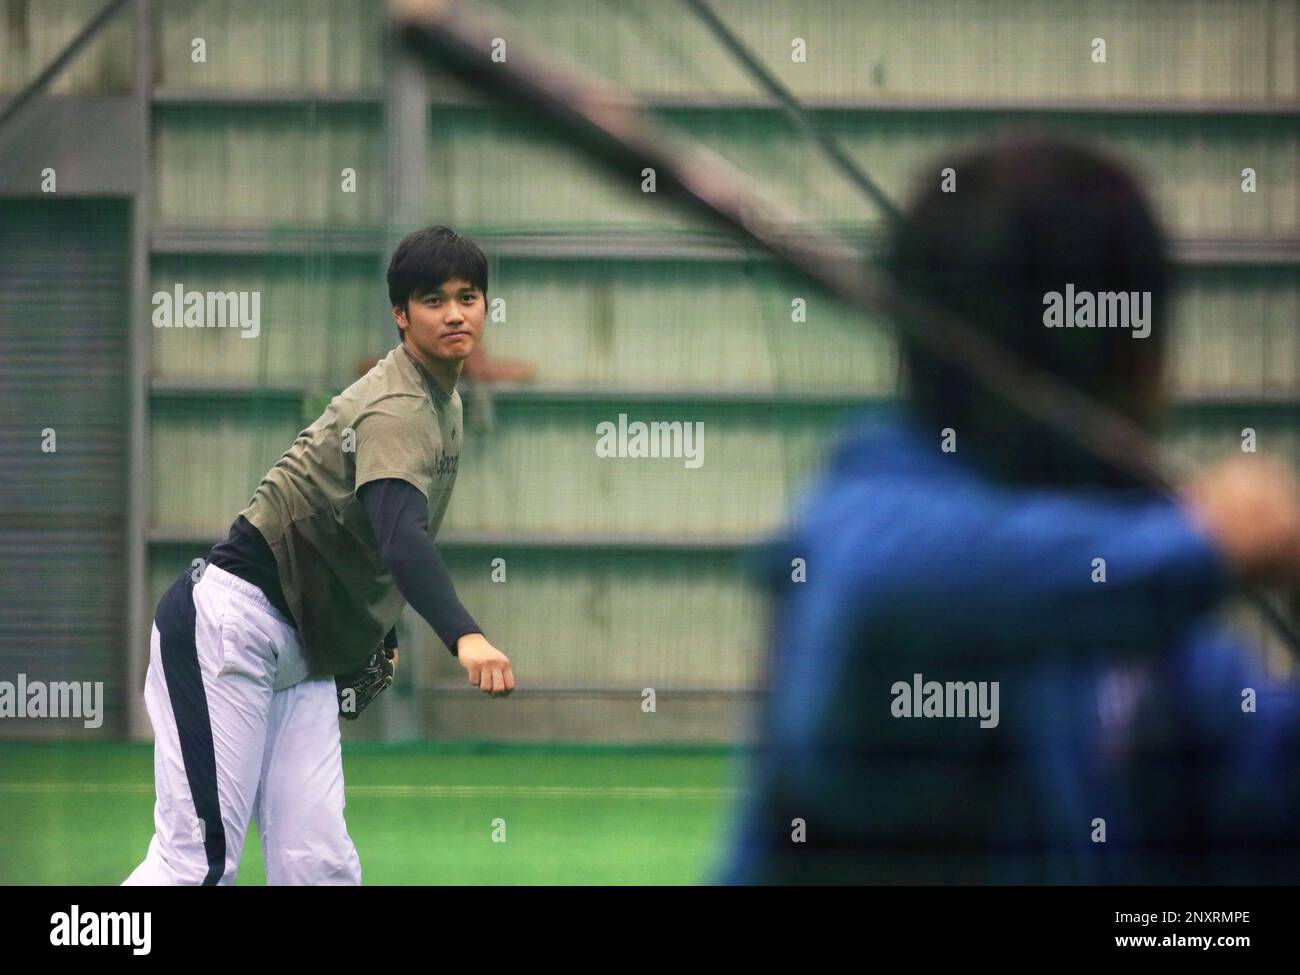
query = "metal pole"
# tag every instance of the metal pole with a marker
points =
(139, 619)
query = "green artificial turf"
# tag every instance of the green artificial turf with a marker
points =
(419, 814)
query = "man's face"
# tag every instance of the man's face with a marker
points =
(446, 323)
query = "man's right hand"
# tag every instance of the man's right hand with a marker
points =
(488, 668)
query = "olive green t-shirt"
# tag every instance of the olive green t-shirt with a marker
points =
(395, 421)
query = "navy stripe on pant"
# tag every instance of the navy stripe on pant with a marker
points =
(175, 622)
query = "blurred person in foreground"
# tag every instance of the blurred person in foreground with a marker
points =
(1001, 665)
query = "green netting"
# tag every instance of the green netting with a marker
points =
(625, 304)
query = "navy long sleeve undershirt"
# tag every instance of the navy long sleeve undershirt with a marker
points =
(399, 516)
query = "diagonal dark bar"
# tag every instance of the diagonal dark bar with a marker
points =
(610, 124)
(51, 70)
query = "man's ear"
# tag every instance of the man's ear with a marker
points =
(399, 316)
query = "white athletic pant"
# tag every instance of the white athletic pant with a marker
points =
(239, 733)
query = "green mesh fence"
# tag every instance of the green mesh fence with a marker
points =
(623, 576)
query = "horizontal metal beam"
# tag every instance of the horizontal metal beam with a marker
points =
(686, 245)
(93, 144)
(683, 544)
(182, 389)
(597, 690)
(707, 102)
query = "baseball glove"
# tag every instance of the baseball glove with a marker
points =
(359, 688)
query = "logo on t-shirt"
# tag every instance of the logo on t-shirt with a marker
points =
(447, 464)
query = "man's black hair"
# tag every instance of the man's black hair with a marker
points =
(1029, 216)
(426, 259)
